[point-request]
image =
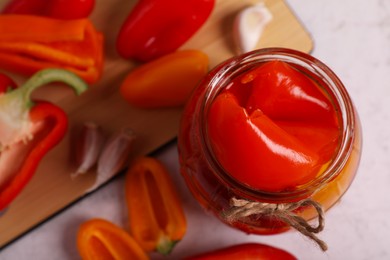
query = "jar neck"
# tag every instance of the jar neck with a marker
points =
(220, 77)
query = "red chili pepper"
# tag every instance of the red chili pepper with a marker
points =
(28, 130)
(252, 251)
(61, 9)
(155, 28)
(273, 128)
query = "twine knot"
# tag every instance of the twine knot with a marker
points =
(284, 212)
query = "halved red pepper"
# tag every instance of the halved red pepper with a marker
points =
(248, 251)
(61, 9)
(29, 129)
(158, 27)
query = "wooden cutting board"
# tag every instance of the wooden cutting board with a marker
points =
(52, 188)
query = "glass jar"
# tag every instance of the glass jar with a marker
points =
(214, 187)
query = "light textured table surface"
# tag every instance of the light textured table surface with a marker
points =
(353, 38)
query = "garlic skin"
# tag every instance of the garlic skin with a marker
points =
(114, 156)
(89, 146)
(249, 25)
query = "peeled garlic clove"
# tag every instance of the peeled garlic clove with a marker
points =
(114, 156)
(249, 25)
(88, 147)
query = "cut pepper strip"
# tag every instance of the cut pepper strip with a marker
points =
(101, 239)
(49, 43)
(157, 220)
(28, 130)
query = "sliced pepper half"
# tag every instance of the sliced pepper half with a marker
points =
(29, 129)
(101, 239)
(157, 220)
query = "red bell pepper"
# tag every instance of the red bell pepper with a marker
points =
(29, 129)
(273, 129)
(158, 27)
(248, 251)
(60, 9)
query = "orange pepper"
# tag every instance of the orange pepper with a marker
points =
(157, 220)
(167, 81)
(99, 239)
(74, 45)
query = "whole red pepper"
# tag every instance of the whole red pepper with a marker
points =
(60, 9)
(158, 27)
(29, 129)
(252, 251)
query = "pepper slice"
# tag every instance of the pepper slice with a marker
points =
(74, 45)
(167, 81)
(158, 27)
(157, 220)
(245, 251)
(28, 130)
(101, 239)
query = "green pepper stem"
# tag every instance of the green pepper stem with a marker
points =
(15, 105)
(47, 76)
(165, 245)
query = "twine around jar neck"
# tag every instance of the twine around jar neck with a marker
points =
(241, 208)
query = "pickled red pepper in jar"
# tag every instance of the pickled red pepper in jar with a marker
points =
(272, 128)
(270, 140)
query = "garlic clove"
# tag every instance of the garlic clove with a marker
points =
(88, 147)
(249, 25)
(114, 156)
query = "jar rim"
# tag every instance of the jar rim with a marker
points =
(216, 81)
